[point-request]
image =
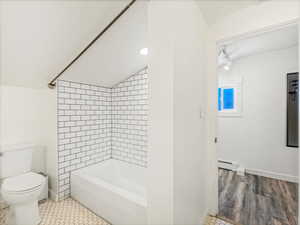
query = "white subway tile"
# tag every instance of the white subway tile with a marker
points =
(99, 123)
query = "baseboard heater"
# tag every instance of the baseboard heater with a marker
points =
(229, 165)
(226, 162)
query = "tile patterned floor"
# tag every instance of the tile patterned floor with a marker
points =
(70, 212)
(67, 212)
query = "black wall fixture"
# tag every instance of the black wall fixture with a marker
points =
(292, 109)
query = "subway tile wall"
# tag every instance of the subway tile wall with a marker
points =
(129, 119)
(84, 129)
(98, 123)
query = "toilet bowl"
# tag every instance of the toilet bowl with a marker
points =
(21, 194)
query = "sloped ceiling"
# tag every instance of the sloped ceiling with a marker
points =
(38, 38)
(115, 56)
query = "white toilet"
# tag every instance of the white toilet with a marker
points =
(20, 187)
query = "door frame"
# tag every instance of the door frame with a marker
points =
(234, 38)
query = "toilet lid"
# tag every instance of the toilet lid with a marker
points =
(23, 182)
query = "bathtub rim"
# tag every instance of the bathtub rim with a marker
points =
(131, 196)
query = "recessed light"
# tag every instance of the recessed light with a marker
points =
(144, 51)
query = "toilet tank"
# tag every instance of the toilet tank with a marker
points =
(15, 160)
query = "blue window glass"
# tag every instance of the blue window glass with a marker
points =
(228, 98)
(219, 99)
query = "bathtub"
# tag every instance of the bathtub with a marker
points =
(114, 190)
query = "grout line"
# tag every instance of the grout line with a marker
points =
(80, 131)
(74, 82)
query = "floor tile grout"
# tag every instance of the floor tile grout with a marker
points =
(71, 212)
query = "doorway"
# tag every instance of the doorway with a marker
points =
(257, 137)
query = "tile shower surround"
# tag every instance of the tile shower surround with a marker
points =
(98, 123)
(129, 120)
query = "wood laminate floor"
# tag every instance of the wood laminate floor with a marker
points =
(256, 200)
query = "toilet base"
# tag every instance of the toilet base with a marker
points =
(24, 214)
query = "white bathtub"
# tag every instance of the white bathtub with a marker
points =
(113, 190)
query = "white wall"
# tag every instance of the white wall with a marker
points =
(190, 174)
(160, 147)
(178, 179)
(29, 115)
(257, 139)
(211, 122)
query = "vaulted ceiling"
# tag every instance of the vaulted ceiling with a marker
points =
(38, 38)
(116, 55)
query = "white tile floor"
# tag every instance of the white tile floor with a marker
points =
(70, 212)
(67, 212)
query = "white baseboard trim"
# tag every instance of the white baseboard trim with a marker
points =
(278, 176)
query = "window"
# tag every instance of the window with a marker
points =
(229, 99)
(226, 99)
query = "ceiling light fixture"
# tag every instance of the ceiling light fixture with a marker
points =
(144, 51)
(227, 65)
(225, 55)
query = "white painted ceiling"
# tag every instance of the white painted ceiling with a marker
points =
(38, 38)
(214, 10)
(270, 41)
(116, 55)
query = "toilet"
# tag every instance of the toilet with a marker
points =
(20, 187)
